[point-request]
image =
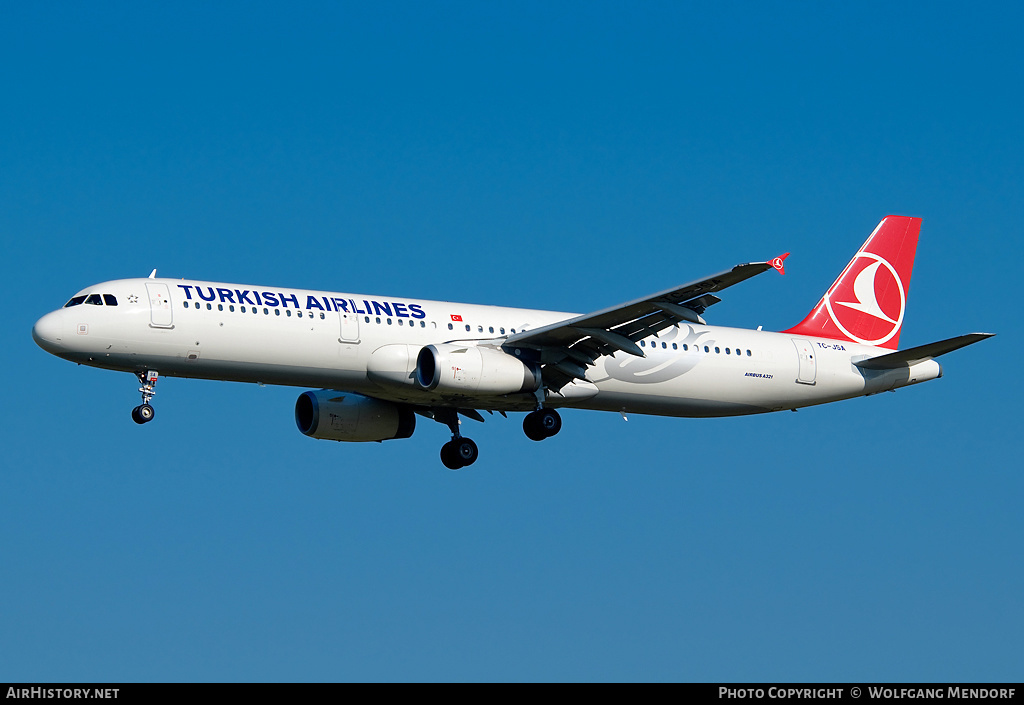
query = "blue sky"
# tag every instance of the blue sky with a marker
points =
(566, 156)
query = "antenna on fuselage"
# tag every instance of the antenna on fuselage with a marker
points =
(152, 275)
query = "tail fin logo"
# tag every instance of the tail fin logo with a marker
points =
(850, 303)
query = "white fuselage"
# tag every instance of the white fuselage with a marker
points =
(337, 341)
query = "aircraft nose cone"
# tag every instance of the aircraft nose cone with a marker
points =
(47, 332)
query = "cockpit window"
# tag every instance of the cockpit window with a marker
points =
(94, 299)
(74, 301)
(110, 300)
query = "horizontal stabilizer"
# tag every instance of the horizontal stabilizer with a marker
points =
(911, 356)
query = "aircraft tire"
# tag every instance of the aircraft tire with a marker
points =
(549, 422)
(542, 424)
(448, 456)
(143, 414)
(466, 451)
(532, 429)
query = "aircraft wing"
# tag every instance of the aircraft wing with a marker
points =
(567, 348)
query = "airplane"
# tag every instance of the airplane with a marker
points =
(375, 363)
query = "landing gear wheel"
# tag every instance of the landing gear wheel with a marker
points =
(143, 414)
(532, 429)
(542, 424)
(550, 421)
(459, 453)
(448, 457)
(466, 451)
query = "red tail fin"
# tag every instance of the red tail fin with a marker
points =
(867, 302)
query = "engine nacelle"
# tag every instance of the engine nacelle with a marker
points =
(342, 416)
(468, 369)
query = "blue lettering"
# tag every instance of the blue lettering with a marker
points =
(213, 295)
(257, 295)
(368, 310)
(417, 312)
(400, 310)
(286, 299)
(188, 290)
(340, 305)
(379, 308)
(313, 302)
(269, 298)
(226, 295)
(354, 307)
(243, 296)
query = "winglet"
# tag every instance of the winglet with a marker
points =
(152, 275)
(777, 263)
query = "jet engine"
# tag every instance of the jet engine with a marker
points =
(469, 369)
(342, 416)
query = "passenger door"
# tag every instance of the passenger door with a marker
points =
(160, 313)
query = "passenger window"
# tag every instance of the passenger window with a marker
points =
(717, 351)
(277, 312)
(467, 329)
(748, 353)
(674, 346)
(77, 300)
(389, 321)
(367, 318)
(451, 327)
(727, 351)
(423, 324)
(220, 307)
(231, 308)
(184, 302)
(322, 316)
(665, 345)
(209, 307)
(642, 344)
(480, 329)
(399, 321)
(685, 346)
(502, 330)
(109, 300)
(378, 320)
(94, 299)
(299, 314)
(707, 349)
(490, 329)
(266, 312)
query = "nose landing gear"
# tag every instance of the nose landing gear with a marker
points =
(144, 413)
(541, 424)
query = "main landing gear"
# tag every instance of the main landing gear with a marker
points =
(460, 451)
(144, 413)
(541, 424)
